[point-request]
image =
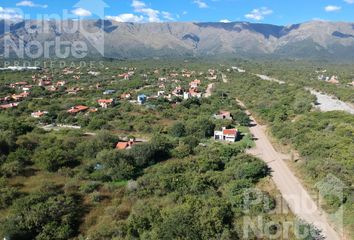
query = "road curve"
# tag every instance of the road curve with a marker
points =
(297, 198)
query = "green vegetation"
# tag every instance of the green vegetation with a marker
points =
(174, 181)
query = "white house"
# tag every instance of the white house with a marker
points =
(186, 95)
(226, 135)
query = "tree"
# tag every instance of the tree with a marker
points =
(7, 194)
(53, 158)
(241, 117)
(116, 165)
(177, 130)
(201, 127)
(182, 151)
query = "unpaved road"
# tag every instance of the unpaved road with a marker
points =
(267, 78)
(209, 90)
(224, 78)
(326, 103)
(292, 191)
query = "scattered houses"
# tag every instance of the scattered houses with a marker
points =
(226, 135)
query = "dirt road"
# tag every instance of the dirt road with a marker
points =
(209, 90)
(224, 78)
(292, 191)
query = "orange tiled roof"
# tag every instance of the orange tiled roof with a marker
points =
(124, 145)
(105, 101)
(230, 132)
(77, 109)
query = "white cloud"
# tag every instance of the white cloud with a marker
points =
(319, 20)
(152, 15)
(201, 3)
(332, 8)
(126, 17)
(258, 14)
(225, 21)
(81, 12)
(143, 13)
(167, 15)
(30, 4)
(349, 1)
(10, 14)
(138, 4)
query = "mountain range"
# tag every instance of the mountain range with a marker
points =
(309, 40)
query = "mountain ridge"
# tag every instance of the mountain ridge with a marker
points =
(308, 40)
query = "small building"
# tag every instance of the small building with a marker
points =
(178, 91)
(223, 115)
(19, 97)
(77, 109)
(125, 96)
(93, 73)
(161, 93)
(108, 92)
(195, 84)
(195, 93)
(18, 84)
(186, 95)
(334, 80)
(7, 106)
(226, 135)
(106, 103)
(141, 98)
(124, 76)
(60, 84)
(38, 114)
(125, 145)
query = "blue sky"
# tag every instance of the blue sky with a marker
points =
(279, 12)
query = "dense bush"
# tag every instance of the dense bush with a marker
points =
(46, 214)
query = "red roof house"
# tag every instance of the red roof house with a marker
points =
(77, 109)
